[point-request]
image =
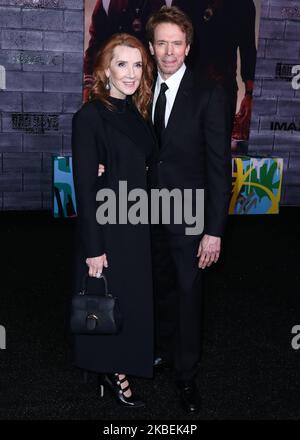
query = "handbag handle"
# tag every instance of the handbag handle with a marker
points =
(84, 285)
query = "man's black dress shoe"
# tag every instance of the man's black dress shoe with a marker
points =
(189, 396)
(161, 363)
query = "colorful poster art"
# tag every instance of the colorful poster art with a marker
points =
(224, 48)
(256, 185)
(64, 203)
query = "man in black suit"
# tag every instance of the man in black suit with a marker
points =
(192, 122)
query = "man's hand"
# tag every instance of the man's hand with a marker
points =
(245, 108)
(96, 265)
(242, 119)
(208, 251)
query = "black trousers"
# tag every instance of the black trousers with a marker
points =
(178, 299)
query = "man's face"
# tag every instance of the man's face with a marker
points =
(169, 48)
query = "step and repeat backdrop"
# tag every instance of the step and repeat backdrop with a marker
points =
(46, 58)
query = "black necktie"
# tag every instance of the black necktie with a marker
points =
(159, 112)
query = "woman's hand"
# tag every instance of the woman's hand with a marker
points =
(101, 169)
(96, 265)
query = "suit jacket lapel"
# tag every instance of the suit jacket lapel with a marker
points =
(180, 101)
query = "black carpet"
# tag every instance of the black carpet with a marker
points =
(249, 369)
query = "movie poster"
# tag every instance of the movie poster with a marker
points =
(224, 48)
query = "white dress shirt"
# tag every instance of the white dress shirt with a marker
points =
(106, 4)
(173, 84)
(169, 2)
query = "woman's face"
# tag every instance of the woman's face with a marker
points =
(125, 71)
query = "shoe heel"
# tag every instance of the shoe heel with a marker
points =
(114, 384)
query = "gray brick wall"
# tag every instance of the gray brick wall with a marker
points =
(41, 50)
(275, 100)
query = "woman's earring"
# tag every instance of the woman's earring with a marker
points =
(107, 85)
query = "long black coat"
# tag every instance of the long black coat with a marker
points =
(123, 142)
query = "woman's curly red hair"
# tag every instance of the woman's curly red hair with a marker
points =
(143, 95)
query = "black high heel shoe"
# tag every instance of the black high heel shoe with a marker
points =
(113, 382)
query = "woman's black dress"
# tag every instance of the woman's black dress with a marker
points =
(124, 143)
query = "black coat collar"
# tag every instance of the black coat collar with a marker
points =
(114, 119)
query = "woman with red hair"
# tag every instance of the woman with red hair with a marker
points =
(112, 129)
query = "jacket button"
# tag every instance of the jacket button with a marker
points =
(160, 162)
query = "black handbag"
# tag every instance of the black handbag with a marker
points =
(95, 314)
